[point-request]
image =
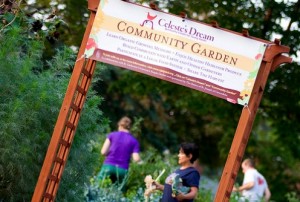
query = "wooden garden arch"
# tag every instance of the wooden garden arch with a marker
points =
(68, 118)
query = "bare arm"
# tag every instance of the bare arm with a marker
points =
(246, 186)
(191, 195)
(105, 147)
(136, 157)
(158, 186)
(267, 194)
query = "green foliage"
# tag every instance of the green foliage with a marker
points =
(292, 197)
(72, 28)
(135, 186)
(103, 191)
(153, 164)
(30, 103)
(138, 172)
(22, 115)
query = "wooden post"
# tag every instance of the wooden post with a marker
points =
(271, 60)
(62, 119)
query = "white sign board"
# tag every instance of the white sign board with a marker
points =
(185, 52)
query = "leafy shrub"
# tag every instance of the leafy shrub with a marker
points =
(32, 90)
(153, 164)
(292, 197)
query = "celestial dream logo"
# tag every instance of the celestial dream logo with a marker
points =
(177, 28)
(149, 20)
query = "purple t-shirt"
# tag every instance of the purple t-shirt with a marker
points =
(122, 145)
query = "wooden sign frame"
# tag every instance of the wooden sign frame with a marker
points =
(68, 118)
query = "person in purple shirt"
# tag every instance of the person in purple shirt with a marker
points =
(118, 148)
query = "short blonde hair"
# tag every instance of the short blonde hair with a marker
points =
(249, 162)
(125, 122)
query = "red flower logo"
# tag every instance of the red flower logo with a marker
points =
(258, 56)
(149, 19)
(91, 44)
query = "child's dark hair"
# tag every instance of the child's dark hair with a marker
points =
(190, 148)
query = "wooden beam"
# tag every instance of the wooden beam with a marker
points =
(246, 121)
(64, 112)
